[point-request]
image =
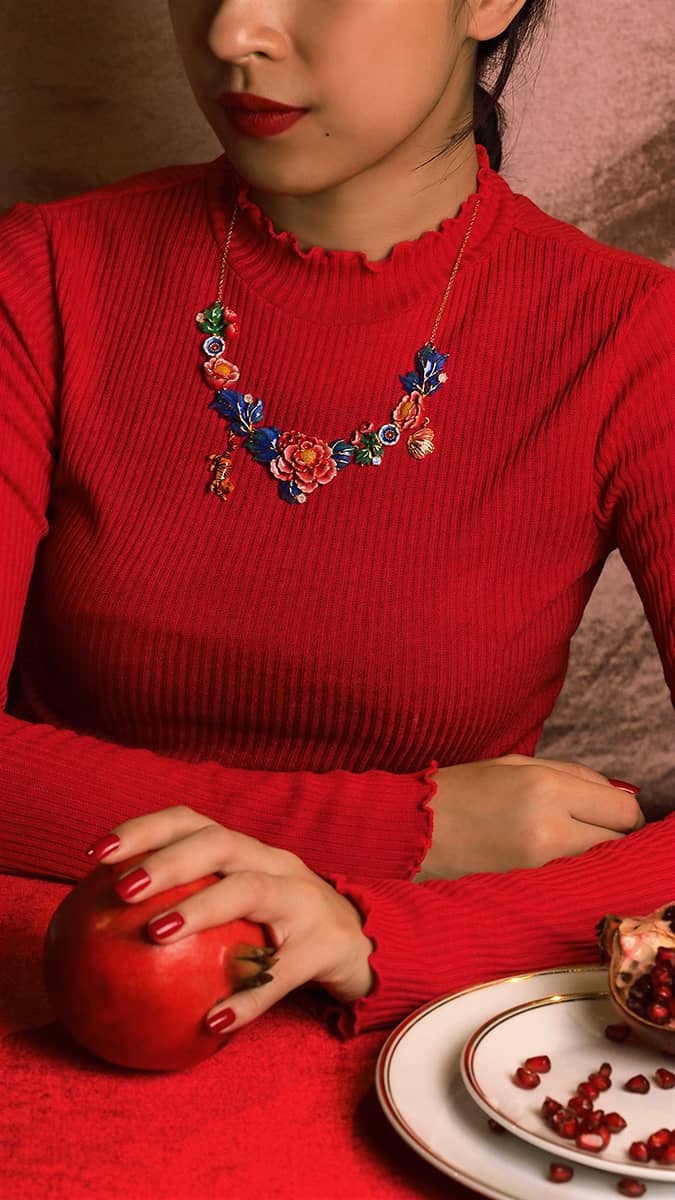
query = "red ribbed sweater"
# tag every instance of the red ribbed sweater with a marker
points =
(298, 671)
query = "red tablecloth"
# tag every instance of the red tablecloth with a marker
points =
(285, 1110)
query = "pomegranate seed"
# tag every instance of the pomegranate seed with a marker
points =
(660, 975)
(615, 1122)
(605, 1069)
(664, 1077)
(526, 1079)
(658, 1141)
(617, 1033)
(593, 1119)
(560, 1172)
(637, 1083)
(601, 1082)
(568, 1128)
(667, 1158)
(666, 955)
(638, 1152)
(540, 1063)
(594, 1139)
(662, 994)
(495, 1126)
(580, 1105)
(588, 1089)
(628, 1186)
(658, 1014)
(550, 1106)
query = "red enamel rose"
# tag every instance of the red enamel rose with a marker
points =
(220, 372)
(409, 411)
(306, 461)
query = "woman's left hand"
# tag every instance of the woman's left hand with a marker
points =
(316, 931)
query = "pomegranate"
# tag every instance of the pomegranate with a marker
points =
(640, 952)
(132, 1001)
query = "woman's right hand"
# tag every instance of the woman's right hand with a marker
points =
(504, 813)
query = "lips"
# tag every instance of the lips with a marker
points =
(249, 102)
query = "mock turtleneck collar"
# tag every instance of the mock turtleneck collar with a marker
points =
(338, 287)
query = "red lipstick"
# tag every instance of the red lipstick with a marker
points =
(257, 116)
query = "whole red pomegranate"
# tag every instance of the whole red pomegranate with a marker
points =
(132, 1001)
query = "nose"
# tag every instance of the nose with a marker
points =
(239, 30)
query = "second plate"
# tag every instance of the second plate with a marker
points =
(569, 1028)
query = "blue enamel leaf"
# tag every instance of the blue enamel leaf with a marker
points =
(241, 414)
(262, 443)
(343, 453)
(429, 363)
(289, 491)
(410, 382)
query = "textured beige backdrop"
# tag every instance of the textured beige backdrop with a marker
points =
(91, 94)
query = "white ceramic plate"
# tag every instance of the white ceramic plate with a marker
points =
(570, 1029)
(420, 1088)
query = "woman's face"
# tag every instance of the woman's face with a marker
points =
(386, 82)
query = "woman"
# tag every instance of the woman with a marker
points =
(314, 456)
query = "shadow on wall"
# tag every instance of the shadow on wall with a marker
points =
(91, 94)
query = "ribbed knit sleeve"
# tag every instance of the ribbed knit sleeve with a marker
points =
(635, 462)
(439, 936)
(61, 790)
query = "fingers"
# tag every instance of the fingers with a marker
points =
(616, 809)
(141, 834)
(580, 770)
(608, 807)
(192, 852)
(258, 897)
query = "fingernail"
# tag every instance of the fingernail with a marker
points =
(221, 1020)
(628, 787)
(163, 927)
(103, 846)
(129, 885)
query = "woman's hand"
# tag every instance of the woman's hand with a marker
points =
(316, 931)
(516, 811)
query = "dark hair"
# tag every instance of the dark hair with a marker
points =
(489, 119)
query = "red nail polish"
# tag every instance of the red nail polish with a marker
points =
(132, 883)
(163, 927)
(621, 783)
(221, 1020)
(103, 846)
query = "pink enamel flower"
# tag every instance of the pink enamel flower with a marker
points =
(220, 372)
(304, 461)
(408, 412)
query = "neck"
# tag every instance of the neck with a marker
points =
(373, 211)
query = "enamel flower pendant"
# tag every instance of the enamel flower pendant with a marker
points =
(298, 461)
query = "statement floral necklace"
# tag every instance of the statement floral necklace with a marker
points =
(300, 462)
